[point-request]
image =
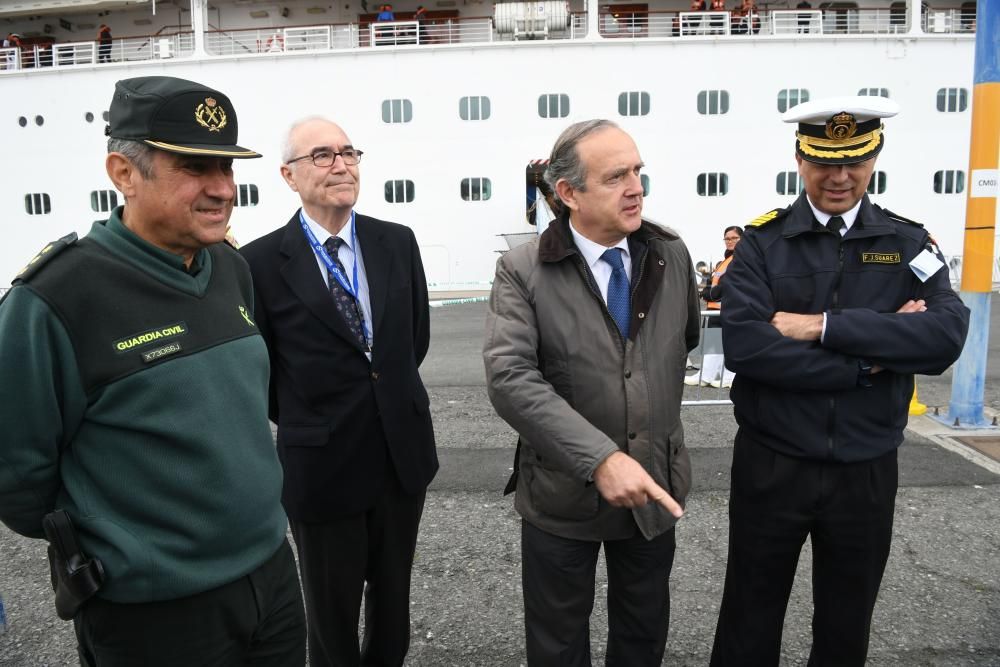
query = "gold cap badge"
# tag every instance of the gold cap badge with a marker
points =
(841, 126)
(211, 115)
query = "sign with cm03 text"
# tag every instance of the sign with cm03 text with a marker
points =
(985, 183)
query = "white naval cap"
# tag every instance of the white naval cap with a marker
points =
(840, 130)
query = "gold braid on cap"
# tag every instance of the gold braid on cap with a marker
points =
(813, 145)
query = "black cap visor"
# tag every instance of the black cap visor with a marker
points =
(207, 150)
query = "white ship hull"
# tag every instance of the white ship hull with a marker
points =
(459, 239)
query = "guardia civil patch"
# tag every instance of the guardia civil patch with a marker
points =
(880, 257)
(149, 337)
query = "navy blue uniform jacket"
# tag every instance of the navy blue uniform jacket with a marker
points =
(803, 398)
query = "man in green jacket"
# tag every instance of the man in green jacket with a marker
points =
(135, 399)
(587, 335)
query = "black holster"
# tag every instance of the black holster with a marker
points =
(75, 577)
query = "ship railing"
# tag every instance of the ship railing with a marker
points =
(948, 20)
(10, 59)
(74, 53)
(447, 31)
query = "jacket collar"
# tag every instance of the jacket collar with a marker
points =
(303, 276)
(870, 221)
(556, 242)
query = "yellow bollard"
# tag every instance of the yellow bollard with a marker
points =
(916, 407)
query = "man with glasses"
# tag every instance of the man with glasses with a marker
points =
(341, 300)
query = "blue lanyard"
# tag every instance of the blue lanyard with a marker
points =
(334, 269)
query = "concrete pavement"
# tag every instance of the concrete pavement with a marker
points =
(939, 605)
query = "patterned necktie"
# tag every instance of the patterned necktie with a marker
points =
(619, 300)
(346, 304)
(835, 224)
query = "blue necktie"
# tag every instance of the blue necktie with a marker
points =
(619, 300)
(347, 305)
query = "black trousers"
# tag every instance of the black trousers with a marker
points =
(370, 553)
(255, 620)
(558, 582)
(846, 509)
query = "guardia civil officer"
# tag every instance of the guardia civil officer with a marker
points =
(832, 305)
(134, 399)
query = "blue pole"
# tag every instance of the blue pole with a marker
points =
(967, 389)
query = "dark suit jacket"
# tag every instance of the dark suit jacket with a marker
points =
(339, 417)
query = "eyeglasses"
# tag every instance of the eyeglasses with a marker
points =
(325, 158)
(731, 238)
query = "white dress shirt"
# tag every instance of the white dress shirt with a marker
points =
(823, 218)
(848, 216)
(348, 253)
(599, 268)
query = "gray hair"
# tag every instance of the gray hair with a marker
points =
(138, 153)
(287, 148)
(564, 162)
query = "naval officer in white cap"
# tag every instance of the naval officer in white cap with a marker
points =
(832, 305)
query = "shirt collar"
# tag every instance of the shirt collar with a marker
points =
(345, 233)
(848, 216)
(592, 251)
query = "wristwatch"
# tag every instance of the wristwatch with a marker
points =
(864, 373)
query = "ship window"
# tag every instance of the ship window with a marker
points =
(476, 189)
(397, 111)
(633, 104)
(713, 184)
(247, 195)
(788, 183)
(39, 120)
(103, 201)
(644, 179)
(874, 92)
(89, 117)
(554, 105)
(37, 204)
(22, 121)
(476, 107)
(789, 97)
(876, 186)
(399, 191)
(952, 99)
(949, 181)
(712, 102)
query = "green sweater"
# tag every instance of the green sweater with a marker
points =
(134, 395)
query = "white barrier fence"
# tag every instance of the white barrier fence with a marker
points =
(707, 381)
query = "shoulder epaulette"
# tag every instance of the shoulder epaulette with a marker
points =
(897, 218)
(45, 256)
(761, 220)
(230, 240)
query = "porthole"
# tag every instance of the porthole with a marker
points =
(89, 117)
(22, 121)
(39, 121)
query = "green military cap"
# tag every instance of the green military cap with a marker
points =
(840, 130)
(176, 116)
